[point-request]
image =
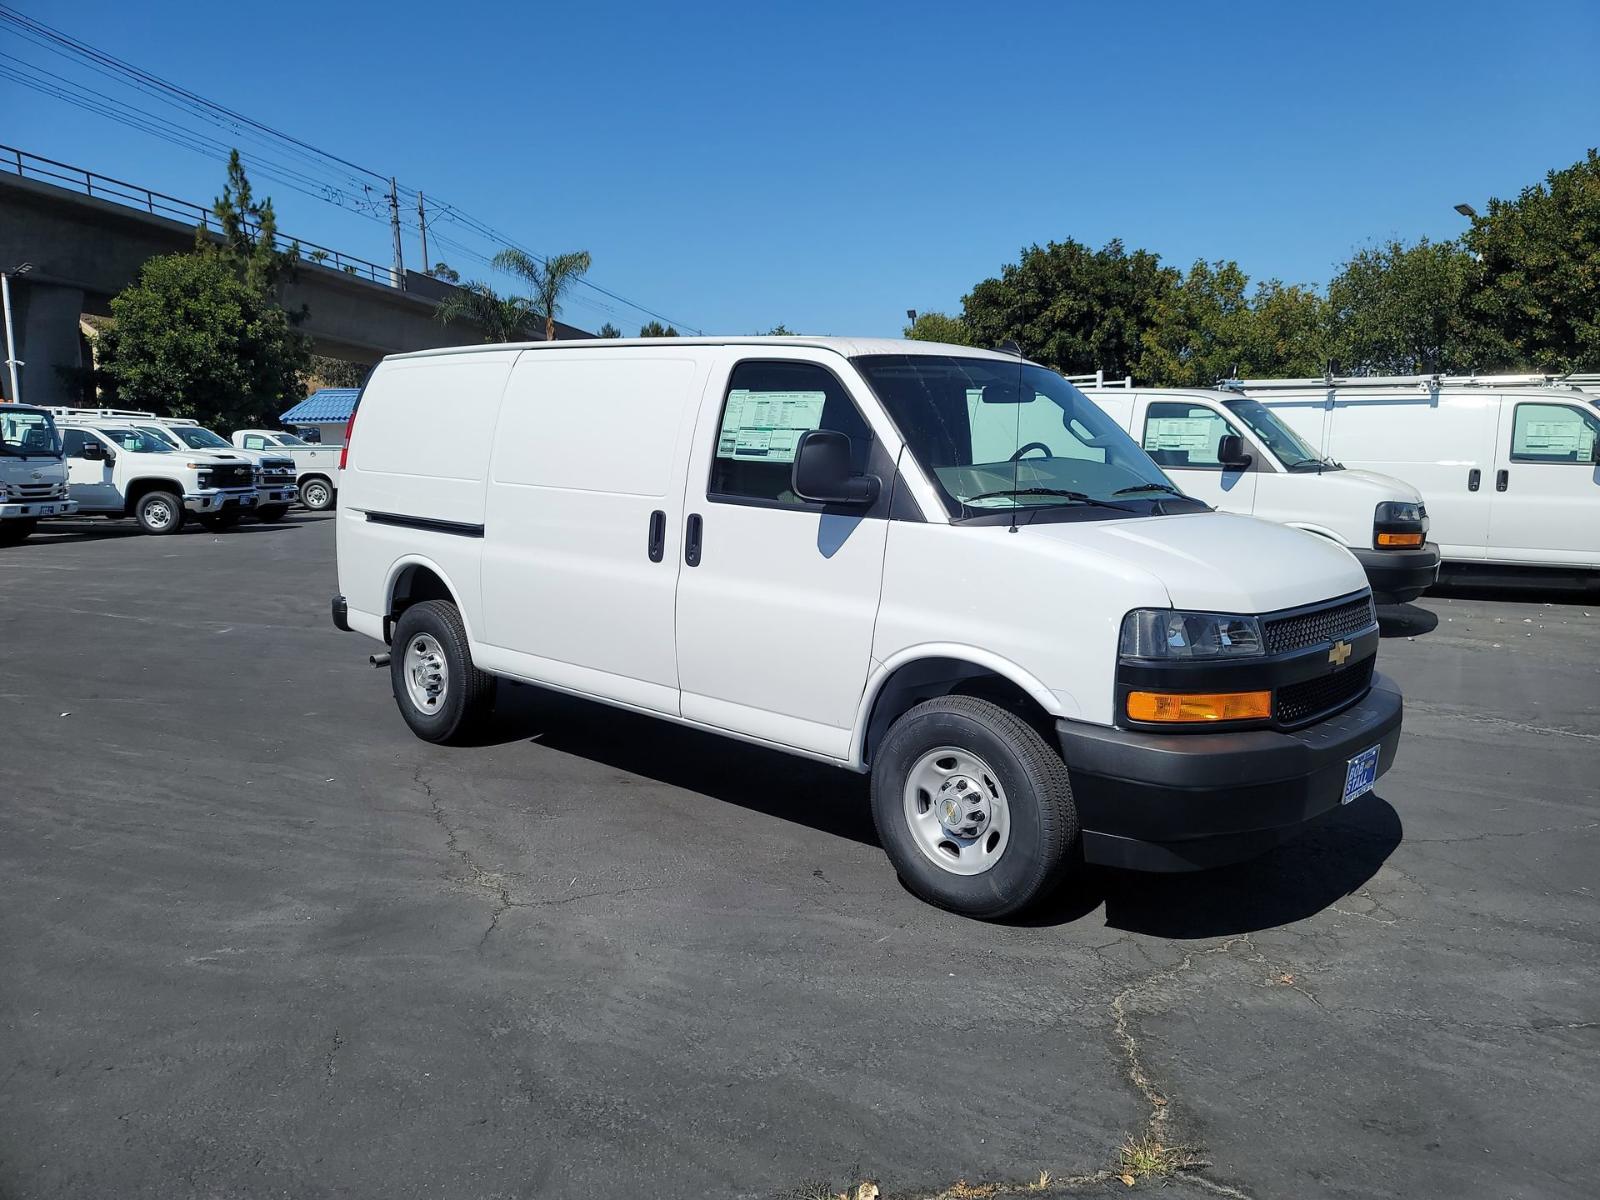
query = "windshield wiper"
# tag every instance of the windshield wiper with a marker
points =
(1150, 487)
(1079, 497)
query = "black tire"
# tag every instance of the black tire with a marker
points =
(468, 692)
(1043, 820)
(219, 521)
(271, 513)
(159, 512)
(13, 533)
(317, 493)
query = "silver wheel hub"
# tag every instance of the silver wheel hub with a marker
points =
(426, 673)
(158, 513)
(956, 811)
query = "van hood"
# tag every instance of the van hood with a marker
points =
(1218, 562)
(1382, 487)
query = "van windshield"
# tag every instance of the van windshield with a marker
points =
(998, 436)
(1284, 442)
(27, 432)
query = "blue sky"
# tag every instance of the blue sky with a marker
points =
(829, 166)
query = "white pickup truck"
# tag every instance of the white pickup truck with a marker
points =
(33, 478)
(317, 465)
(275, 471)
(114, 470)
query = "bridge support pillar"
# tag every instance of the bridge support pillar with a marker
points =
(45, 321)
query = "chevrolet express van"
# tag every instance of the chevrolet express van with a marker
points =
(1040, 649)
(1510, 472)
(1238, 455)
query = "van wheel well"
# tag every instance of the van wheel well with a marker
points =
(414, 585)
(140, 488)
(931, 677)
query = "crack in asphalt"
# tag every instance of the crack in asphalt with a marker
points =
(1491, 837)
(328, 1068)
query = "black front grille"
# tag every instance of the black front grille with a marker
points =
(1299, 703)
(232, 475)
(1314, 628)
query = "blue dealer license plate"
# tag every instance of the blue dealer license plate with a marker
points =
(1361, 774)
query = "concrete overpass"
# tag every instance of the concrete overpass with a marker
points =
(85, 248)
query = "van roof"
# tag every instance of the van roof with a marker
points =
(849, 347)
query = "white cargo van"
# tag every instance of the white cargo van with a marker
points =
(1510, 472)
(33, 477)
(1038, 647)
(1233, 452)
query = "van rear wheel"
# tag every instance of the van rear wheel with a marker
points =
(441, 694)
(973, 807)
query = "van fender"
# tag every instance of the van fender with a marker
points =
(884, 671)
(422, 560)
(1319, 530)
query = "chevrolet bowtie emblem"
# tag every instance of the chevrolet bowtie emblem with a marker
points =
(1339, 653)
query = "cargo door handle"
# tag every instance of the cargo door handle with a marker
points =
(691, 540)
(658, 535)
(1501, 479)
(1474, 478)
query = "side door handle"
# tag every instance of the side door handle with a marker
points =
(1474, 478)
(1502, 479)
(658, 535)
(691, 540)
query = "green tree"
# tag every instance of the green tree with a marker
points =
(1200, 328)
(249, 244)
(193, 339)
(1070, 307)
(1539, 260)
(550, 279)
(501, 318)
(338, 372)
(608, 330)
(444, 271)
(939, 327)
(657, 329)
(1398, 309)
(1288, 334)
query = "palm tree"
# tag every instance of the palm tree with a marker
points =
(502, 318)
(550, 279)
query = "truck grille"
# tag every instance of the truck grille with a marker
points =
(1321, 625)
(1307, 701)
(277, 468)
(231, 475)
(39, 491)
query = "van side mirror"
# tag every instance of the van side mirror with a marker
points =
(1231, 452)
(92, 450)
(822, 471)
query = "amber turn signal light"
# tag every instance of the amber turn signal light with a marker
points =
(1392, 541)
(1173, 707)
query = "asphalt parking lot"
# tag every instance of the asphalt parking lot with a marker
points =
(258, 940)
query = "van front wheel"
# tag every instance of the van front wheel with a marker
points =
(441, 694)
(973, 807)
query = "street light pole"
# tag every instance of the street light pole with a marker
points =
(12, 362)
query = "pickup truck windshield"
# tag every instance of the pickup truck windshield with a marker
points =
(137, 442)
(1284, 442)
(27, 432)
(998, 436)
(289, 439)
(165, 437)
(200, 439)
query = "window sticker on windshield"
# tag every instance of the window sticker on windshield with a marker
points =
(1553, 437)
(1179, 433)
(766, 426)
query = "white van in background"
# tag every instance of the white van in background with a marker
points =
(1236, 454)
(1510, 472)
(33, 476)
(940, 565)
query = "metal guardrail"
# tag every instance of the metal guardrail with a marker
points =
(104, 187)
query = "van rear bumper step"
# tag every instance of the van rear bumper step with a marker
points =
(1186, 802)
(341, 613)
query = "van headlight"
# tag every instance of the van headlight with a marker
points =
(1172, 635)
(1399, 525)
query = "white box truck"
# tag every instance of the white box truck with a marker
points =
(1509, 470)
(1038, 647)
(33, 476)
(1236, 454)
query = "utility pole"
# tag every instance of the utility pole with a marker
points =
(422, 224)
(394, 226)
(12, 362)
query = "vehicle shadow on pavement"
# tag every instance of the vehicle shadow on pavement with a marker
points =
(829, 799)
(1326, 863)
(1405, 620)
(101, 531)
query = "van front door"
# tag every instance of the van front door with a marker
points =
(1183, 436)
(1546, 486)
(581, 520)
(778, 596)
